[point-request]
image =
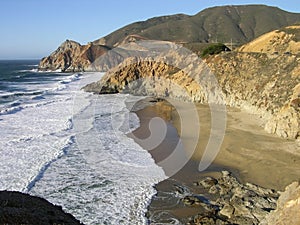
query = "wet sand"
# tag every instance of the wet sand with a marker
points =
(247, 151)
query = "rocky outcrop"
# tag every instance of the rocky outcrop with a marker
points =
(149, 78)
(222, 199)
(232, 202)
(71, 57)
(219, 199)
(164, 69)
(288, 207)
(19, 208)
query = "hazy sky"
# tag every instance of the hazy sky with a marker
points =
(34, 28)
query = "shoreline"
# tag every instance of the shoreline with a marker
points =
(245, 153)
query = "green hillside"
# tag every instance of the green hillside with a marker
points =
(238, 24)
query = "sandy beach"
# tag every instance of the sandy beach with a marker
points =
(247, 151)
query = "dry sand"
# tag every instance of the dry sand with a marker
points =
(247, 150)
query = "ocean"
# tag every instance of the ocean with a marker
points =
(71, 147)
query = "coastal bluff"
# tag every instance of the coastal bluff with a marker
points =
(260, 83)
(260, 77)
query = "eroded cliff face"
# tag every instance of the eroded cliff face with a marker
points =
(71, 57)
(263, 84)
(155, 78)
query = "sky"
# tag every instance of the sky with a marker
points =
(32, 29)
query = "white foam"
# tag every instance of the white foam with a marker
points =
(30, 70)
(4, 93)
(33, 91)
(34, 134)
(32, 65)
(70, 147)
(110, 177)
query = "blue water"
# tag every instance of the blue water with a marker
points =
(20, 81)
(70, 147)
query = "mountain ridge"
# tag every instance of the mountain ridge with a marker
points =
(240, 23)
(226, 24)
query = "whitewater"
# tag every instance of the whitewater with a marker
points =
(70, 147)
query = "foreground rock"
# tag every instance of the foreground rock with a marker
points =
(18, 208)
(232, 202)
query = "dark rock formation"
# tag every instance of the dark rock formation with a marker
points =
(19, 208)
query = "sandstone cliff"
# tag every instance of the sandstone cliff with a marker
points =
(263, 84)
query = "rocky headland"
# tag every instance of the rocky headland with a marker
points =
(72, 56)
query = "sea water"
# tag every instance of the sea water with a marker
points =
(71, 148)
